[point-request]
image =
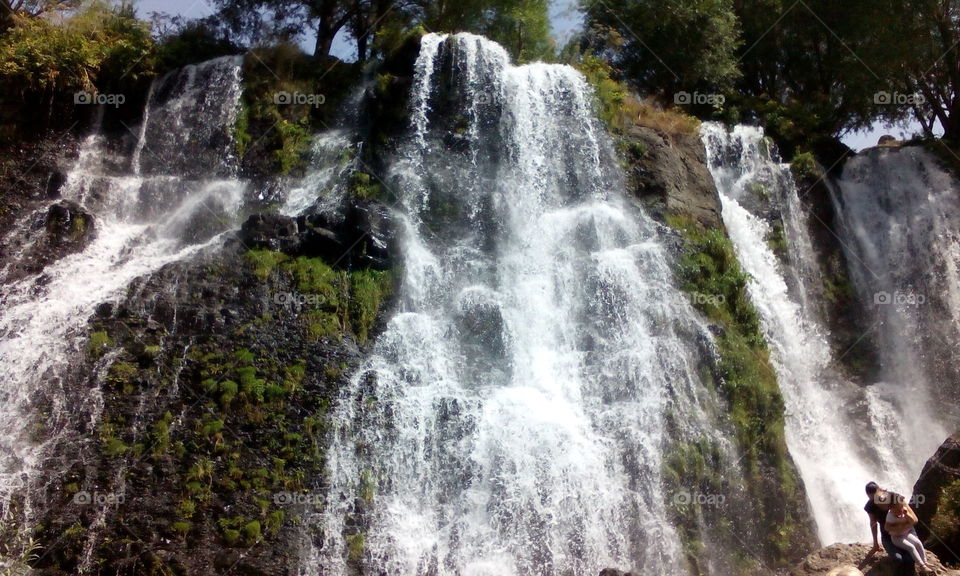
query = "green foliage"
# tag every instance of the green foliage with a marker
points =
(274, 522)
(322, 325)
(521, 26)
(709, 267)
(122, 375)
(194, 41)
(181, 528)
(111, 445)
(356, 544)
(804, 166)
(287, 97)
(667, 46)
(98, 343)
(368, 290)
(251, 532)
(362, 186)
(95, 43)
(946, 520)
(295, 141)
(777, 241)
(160, 434)
(610, 94)
(264, 262)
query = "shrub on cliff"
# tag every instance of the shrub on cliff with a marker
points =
(78, 53)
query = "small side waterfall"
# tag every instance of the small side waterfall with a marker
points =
(900, 216)
(172, 195)
(835, 453)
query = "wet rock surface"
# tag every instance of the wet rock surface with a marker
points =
(669, 174)
(938, 484)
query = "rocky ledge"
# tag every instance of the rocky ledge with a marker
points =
(856, 556)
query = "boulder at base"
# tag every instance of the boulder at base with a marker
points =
(821, 562)
(939, 507)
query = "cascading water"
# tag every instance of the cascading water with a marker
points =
(172, 196)
(511, 419)
(836, 445)
(900, 229)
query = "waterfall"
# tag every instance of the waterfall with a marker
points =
(171, 196)
(512, 417)
(835, 447)
(900, 230)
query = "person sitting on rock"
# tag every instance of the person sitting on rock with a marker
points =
(900, 521)
(877, 507)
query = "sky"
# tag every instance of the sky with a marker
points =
(563, 16)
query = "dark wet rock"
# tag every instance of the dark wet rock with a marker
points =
(359, 236)
(271, 232)
(940, 472)
(63, 229)
(204, 366)
(668, 173)
(371, 234)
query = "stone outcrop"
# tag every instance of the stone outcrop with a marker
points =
(359, 236)
(46, 236)
(668, 173)
(933, 509)
(857, 556)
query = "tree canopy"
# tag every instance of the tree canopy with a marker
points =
(814, 67)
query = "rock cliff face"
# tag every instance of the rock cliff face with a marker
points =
(939, 513)
(215, 377)
(668, 172)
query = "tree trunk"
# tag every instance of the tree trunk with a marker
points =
(951, 126)
(326, 12)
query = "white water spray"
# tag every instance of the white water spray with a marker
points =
(833, 452)
(175, 202)
(512, 417)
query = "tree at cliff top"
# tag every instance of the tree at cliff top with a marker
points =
(805, 67)
(822, 67)
(10, 10)
(667, 47)
(523, 26)
(921, 62)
